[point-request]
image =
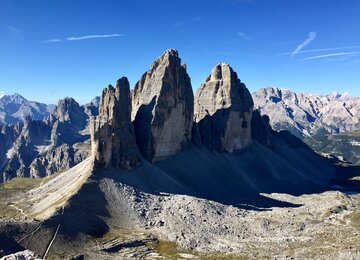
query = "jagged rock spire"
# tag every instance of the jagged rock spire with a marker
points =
(112, 133)
(223, 110)
(162, 104)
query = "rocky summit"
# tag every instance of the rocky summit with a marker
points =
(162, 108)
(112, 133)
(223, 110)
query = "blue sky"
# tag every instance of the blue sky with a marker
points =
(50, 49)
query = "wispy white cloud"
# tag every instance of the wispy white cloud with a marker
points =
(324, 49)
(13, 30)
(85, 37)
(243, 36)
(52, 41)
(338, 54)
(310, 38)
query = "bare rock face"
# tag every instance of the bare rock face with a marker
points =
(39, 148)
(223, 110)
(261, 129)
(304, 114)
(163, 110)
(112, 133)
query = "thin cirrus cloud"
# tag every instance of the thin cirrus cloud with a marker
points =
(52, 41)
(309, 39)
(323, 49)
(338, 54)
(243, 36)
(85, 37)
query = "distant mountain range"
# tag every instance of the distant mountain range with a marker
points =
(39, 144)
(15, 108)
(330, 124)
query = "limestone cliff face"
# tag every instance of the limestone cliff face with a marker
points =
(112, 133)
(261, 129)
(39, 148)
(162, 104)
(305, 114)
(223, 110)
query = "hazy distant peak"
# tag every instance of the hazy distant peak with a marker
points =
(276, 90)
(15, 108)
(301, 111)
(95, 101)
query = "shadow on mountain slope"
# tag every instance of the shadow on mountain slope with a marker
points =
(233, 179)
(107, 199)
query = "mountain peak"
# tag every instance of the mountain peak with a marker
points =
(223, 98)
(15, 108)
(112, 134)
(221, 71)
(163, 104)
(171, 52)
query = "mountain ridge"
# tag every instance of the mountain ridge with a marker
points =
(15, 108)
(321, 121)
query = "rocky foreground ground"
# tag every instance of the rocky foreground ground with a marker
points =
(323, 225)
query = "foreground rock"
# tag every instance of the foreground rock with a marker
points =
(162, 104)
(223, 110)
(112, 135)
(23, 255)
(117, 214)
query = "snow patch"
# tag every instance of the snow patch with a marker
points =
(2, 93)
(42, 148)
(10, 153)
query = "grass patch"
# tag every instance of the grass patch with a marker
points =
(356, 219)
(167, 248)
(8, 212)
(13, 190)
(22, 183)
(170, 250)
